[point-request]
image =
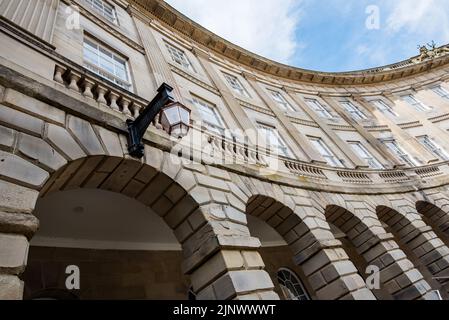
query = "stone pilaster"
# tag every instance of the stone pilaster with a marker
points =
(376, 144)
(301, 140)
(334, 137)
(40, 15)
(17, 226)
(222, 259)
(417, 148)
(240, 117)
(160, 69)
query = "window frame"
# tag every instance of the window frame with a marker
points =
(174, 50)
(443, 93)
(411, 100)
(384, 107)
(321, 110)
(354, 110)
(199, 103)
(101, 71)
(433, 147)
(281, 101)
(370, 159)
(281, 278)
(335, 162)
(236, 85)
(401, 154)
(113, 19)
(281, 147)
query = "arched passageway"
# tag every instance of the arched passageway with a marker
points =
(399, 278)
(325, 269)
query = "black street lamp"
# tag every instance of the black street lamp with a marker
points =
(174, 118)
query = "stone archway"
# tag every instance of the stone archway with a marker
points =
(398, 276)
(324, 263)
(196, 201)
(436, 216)
(419, 240)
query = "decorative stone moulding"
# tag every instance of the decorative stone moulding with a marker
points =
(98, 89)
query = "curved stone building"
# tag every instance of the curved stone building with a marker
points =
(290, 184)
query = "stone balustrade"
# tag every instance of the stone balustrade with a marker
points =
(100, 90)
(225, 150)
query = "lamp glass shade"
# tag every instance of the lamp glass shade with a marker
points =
(175, 119)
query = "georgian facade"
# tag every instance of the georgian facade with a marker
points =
(291, 183)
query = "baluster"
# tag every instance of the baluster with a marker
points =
(135, 109)
(113, 97)
(88, 85)
(101, 92)
(125, 106)
(74, 78)
(59, 71)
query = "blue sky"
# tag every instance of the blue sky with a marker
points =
(325, 35)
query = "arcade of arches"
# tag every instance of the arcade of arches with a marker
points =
(355, 175)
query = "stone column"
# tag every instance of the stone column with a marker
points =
(237, 111)
(334, 137)
(376, 144)
(17, 226)
(222, 259)
(301, 140)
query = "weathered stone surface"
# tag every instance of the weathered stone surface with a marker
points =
(37, 149)
(62, 140)
(16, 168)
(111, 141)
(35, 107)
(6, 137)
(83, 132)
(11, 287)
(13, 253)
(154, 157)
(237, 282)
(15, 198)
(18, 223)
(20, 120)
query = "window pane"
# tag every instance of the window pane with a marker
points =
(325, 152)
(105, 63)
(319, 108)
(209, 115)
(364, 154)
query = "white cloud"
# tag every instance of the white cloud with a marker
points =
(428, 18)
(265, 27)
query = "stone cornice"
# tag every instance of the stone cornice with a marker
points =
(172, 18)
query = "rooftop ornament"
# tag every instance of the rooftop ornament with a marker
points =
(173, 116)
